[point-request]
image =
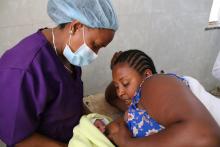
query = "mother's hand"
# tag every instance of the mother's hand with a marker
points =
(118, 132)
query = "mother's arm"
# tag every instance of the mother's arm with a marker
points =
(172, 104)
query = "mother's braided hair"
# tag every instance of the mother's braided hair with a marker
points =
(136, 59)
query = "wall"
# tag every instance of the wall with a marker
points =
(171, 32)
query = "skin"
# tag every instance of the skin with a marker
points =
(38, 140)
(112, 98)
(94, 38)
(100, 125)
(171, 103)
(127, 82)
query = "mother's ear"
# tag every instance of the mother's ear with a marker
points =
(148, 73)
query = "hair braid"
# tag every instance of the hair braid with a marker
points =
(135, 59)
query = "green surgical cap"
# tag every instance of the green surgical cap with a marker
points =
(92, 13)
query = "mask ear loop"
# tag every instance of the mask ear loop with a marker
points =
(145, 78)
(54, 45)
(84, 35)
(71, 31)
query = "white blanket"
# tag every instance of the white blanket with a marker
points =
(211, 102)
(214, 18)
(87, 135)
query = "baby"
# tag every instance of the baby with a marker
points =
(91, 132)
(100, 123)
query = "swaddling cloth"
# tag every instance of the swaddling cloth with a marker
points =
(87, 135)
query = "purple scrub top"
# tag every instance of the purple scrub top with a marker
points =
(37, 94)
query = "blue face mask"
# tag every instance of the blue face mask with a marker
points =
(83, 56)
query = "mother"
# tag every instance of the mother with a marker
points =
(162, 109)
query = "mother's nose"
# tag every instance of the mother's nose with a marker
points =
(121, 93)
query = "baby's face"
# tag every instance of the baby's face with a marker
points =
(100, 125)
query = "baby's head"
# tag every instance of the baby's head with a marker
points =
(112, 98)
(99, 123)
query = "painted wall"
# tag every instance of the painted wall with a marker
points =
(171, 32)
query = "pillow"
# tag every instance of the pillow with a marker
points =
(97, 104)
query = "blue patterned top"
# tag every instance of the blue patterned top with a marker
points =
(139, 122)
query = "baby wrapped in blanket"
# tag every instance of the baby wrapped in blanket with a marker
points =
(90, 132)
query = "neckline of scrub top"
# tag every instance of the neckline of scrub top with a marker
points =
(77, 70)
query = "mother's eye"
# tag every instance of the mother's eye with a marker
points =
(125, 84)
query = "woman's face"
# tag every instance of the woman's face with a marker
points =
(126, 81)
(94, 38)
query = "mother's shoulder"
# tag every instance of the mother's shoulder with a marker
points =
(163, 79)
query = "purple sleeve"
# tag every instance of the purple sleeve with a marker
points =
(22, 100)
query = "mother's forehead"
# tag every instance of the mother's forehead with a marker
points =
(123, 70)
